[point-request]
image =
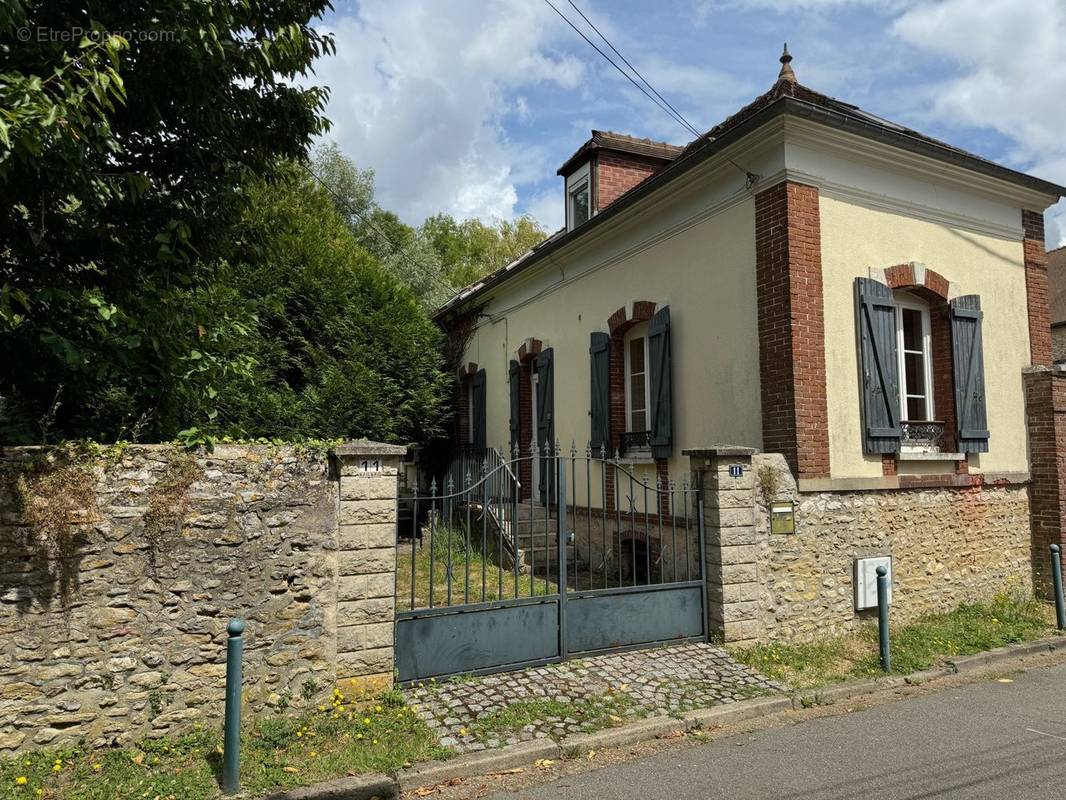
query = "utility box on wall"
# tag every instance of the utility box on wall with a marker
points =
(866, 581)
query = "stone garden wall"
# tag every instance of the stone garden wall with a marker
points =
(118, 632)
(948, 546)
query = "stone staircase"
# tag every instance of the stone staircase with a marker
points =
(536, 534)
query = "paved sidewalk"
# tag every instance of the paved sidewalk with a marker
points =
(660, 681)
(998, 739)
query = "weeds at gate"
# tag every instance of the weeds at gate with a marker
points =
(592, 713)
(927, 642)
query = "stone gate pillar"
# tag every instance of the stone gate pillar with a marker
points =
(730, 544)
(368, 474)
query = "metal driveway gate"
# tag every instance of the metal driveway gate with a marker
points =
(489, 579)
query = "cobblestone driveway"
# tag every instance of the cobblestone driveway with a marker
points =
(659, 681)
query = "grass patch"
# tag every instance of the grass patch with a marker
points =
(339, 739)
(475, 577)
(925, 643)
(592, 714)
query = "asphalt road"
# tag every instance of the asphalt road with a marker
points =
(1005, 741)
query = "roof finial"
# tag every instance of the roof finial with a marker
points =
(786, 73)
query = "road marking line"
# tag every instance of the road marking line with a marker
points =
(1052, 735)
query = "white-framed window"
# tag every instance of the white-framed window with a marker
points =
(638, 398)
(914, 347)
(578, 197)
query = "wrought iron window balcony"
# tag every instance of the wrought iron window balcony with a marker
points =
(636, 443)
(927, 435)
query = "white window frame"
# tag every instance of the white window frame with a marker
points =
(906, 301)
(580, 179)
(640, 330)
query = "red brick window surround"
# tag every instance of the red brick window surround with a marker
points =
(618, 324)
(525, 356)
(465, 375)
(788, 273)
(933, 288)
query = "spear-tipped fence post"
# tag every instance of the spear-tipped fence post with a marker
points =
(231, 754)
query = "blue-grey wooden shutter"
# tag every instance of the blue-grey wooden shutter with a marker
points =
(599, 407)
(514, 374)
(477, 398)
(546, 420)
(876, 315)
(969, 369)
(661, 395)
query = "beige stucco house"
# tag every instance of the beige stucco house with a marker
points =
(864, 305)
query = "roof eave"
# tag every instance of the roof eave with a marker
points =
(709, 148)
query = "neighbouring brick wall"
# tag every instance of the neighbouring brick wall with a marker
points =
(617, 173)
(125, 635)
(1036, 287)
(1045, 405)
(949, 546)
(788, 268)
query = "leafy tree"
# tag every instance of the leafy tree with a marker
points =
(121, 176)
(404, 251)
(470, 249)
(342, 347)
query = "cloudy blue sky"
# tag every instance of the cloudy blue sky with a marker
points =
(469, 106)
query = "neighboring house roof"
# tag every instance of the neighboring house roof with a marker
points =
(787, 96)
(623, 143)
(1056, 278)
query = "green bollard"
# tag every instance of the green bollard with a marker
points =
(1056, 579)
(231, 754)
(882, 618)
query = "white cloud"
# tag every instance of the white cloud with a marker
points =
(1009, 77)
(547, 208)
(420, 91)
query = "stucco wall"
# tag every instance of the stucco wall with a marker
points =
(856, 239)
(949, 546)
(703, 268)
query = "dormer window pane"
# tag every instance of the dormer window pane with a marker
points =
(579, 205)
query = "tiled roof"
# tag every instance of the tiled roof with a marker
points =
(1056, 277)
(622, 142)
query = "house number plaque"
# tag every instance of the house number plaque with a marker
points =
(368, 465)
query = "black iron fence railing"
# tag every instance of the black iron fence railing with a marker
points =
(480, 536)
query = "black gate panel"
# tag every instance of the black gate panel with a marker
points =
(615, 618)
(477, 639)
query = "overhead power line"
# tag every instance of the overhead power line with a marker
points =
(673, 115)
(750, 178)
(636, 72)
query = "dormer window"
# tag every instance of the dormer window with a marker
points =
(578, 198)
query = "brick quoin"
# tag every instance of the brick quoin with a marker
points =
(1045, 405)
(1036, 287)
(788, 270)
